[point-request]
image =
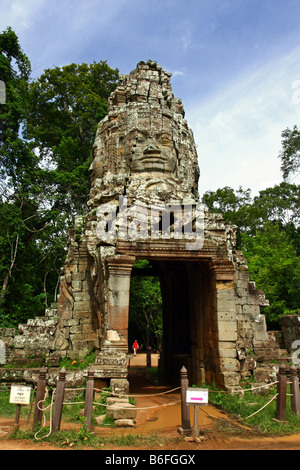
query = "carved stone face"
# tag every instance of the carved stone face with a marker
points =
(153, 154)
(144, 140)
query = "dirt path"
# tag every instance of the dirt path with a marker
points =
(160, 413)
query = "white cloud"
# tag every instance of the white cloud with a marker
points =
(176, 73)
(185, 41)
(238, 132)
(20, 14)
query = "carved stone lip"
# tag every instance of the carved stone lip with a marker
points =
(153, 155)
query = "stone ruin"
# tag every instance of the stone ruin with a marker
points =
(145, 172)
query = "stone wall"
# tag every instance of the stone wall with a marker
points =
(34, 342)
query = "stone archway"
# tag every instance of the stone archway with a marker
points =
(199, 310)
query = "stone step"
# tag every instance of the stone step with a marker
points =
(274, 339)
(121, 411)
(266, 354)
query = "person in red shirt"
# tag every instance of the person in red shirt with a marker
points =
(135, 347)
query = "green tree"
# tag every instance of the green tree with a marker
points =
(47, 128)
(269, 236)
(15, 70)
(230, 203)
(280, 203)
(145, 316)
(274, 265)
(65, 107)
(290, 153)
(17, 209)
(235, 206)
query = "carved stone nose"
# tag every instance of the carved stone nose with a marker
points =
(151, 148)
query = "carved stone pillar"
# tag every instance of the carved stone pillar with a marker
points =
(226, 318)
(112, 360)
(119, 268)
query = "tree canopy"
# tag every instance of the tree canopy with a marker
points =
(290, 154)
(145, 316)
(65, 106)
(268, 233)
(47, 129)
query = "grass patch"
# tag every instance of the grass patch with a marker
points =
(9, 409)
(84, 438)
(239, 407)
(78, 363)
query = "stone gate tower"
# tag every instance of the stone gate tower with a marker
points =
(144, 204)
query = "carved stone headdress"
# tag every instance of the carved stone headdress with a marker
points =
(144, 147)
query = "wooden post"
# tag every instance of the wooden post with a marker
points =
(196, 432)
(295, 396)
(40, 395)
(17, 420)
(59, 399)
(148, 356)
(89, 394)
(281, 390)
(185, 410)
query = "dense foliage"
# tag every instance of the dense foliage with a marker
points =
(145, 316)
(268, 233)
(47, 129)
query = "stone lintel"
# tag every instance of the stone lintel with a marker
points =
(120, 264)
(166, 249)
(222, 269)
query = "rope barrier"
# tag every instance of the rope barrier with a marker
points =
(136, 395)
(145, 408)
(109, 393)
(241, 419)
(50, 406)
(245, 389)
(44, 419)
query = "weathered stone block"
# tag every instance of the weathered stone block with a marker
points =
(77, 286)
(84, 306)
(121, 411)
(250, 311)
(227, 331)
(266, 374)
(227, 353)
(7, 333)
(119, 386)
(78, 276)
(260, 329)
(125, 423)
(112, 400)
(229, 364)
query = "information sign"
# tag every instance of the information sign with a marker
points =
(196, 396)
(20, 395)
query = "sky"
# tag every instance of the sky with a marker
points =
(235, 65)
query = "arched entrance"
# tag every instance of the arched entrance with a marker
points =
(189, 317)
